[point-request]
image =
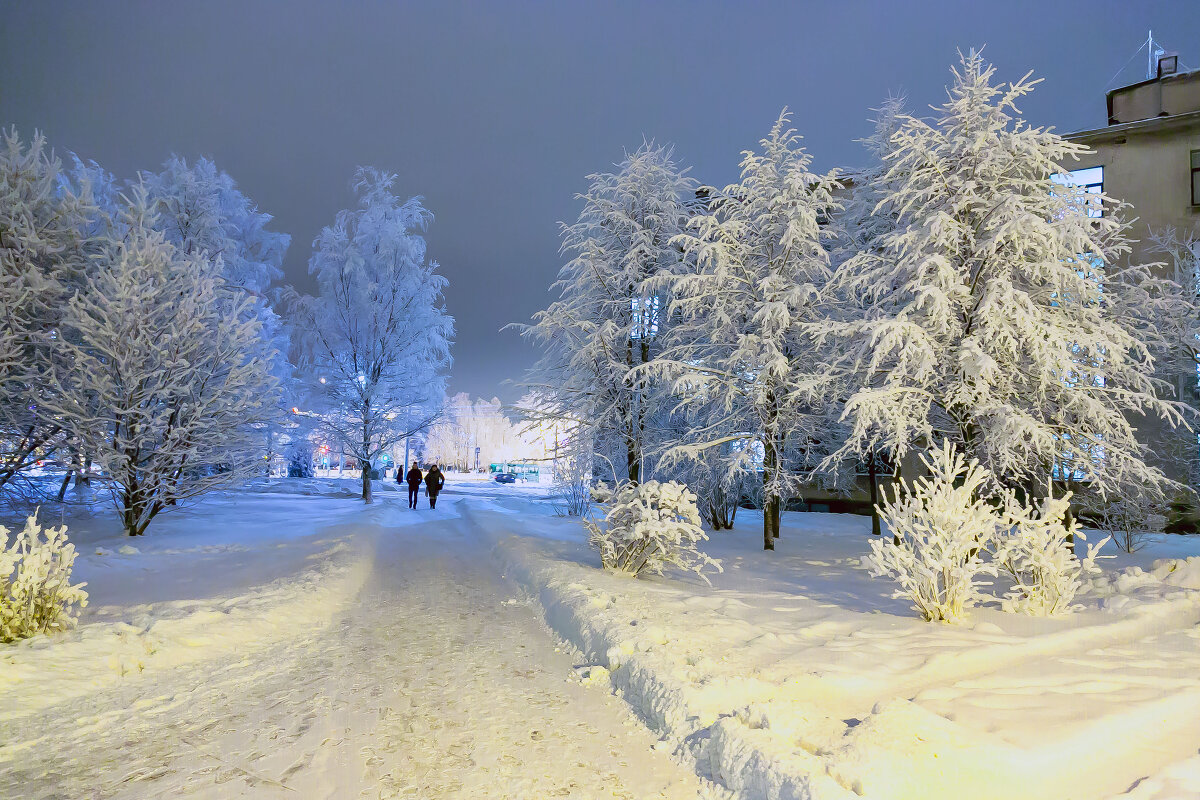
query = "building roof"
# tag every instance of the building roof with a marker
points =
(1153, 125)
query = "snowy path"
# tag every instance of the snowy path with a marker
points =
(434, 683)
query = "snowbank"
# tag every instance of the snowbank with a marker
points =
(796, 675)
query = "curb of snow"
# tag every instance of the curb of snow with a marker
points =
(724, 747)
(43, 671)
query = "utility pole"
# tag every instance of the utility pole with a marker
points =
(407, 433)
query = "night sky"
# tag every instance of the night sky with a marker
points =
(495, 112)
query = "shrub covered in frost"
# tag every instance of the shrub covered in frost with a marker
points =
(649, 526)
(949, 530)
(1034, 547)
(941, 530)
(36, 595)
(602, 493)
(1129, 521)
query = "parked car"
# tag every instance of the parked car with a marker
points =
(506, 477)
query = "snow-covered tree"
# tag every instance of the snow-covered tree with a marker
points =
(861, 228)
(611, 316)
(1180, 361)
(203, 212)
(376, 339)
(167, 379)
(863, 225)
(995, 312)
(762, 255)
(42, 261)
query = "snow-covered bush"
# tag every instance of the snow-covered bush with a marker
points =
(572, 481)
(1034, 547)
(602, 493)
(941, 530)
(300, 459)
(649, 526)
(36, 595)
(1128, 521)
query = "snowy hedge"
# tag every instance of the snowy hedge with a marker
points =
(649, 526)
(36, 595)
(949, 530)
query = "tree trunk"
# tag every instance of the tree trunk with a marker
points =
(873, 476)
(364, 464)
(62, 487)
(771, 499)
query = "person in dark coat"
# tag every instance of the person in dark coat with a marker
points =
(434, 481)
(414, 479)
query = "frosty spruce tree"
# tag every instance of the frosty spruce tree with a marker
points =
(741, 354)
(994, 311)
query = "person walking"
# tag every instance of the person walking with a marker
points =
(434, 481)
(414, 479)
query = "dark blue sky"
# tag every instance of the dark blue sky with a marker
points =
(496, 111)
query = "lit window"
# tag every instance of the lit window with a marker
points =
(1090, 180)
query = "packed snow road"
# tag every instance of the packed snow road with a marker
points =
(435, 682)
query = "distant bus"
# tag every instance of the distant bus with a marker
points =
(526, 472)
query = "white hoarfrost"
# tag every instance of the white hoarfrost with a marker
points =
(950, 528)
(375, 342)
(650, 526)
(36, 594)
(941, 529)
(994, 307)
(1035, 548)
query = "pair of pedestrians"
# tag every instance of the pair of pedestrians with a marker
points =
(434, 481)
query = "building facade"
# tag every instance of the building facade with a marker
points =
(1149, 157)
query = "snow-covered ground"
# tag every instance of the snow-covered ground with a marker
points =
(287, 641)
(796, 674)
(278, 644)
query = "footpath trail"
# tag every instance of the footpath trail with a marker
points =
(435, 683)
